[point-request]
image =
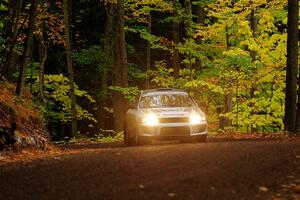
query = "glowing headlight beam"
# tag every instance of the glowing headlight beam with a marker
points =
(150, 119)
(196, 118)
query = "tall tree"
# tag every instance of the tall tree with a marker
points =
(253, 53)
(291, 70)
(148, 64)
(140, 11)
(102, 99)
(228, 96)
(188, 17)
(200, 12)
(119, 62)
(175, 33)
(10, 54)
(43, 53)
(66, 10)
(28, 47)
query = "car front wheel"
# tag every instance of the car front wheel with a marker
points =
(130, 137)
(125, 133)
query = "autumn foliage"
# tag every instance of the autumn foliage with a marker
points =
(22, 111)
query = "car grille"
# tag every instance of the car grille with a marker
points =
(175, 131)
(174, 120)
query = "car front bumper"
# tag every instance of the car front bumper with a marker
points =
(173, 130)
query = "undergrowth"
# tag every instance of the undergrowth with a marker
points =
(118, 137)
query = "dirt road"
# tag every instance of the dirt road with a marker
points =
(212, 170)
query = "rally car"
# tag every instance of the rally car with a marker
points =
(164, 114)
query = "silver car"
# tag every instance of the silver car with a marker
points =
(165, 114)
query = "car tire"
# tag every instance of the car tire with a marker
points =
(131, 137)
(125, 133)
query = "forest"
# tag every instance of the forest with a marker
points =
(86, 61)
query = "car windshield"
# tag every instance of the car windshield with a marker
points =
(165, 100)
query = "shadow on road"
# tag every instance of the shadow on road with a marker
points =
(154, 143)
(92, 145)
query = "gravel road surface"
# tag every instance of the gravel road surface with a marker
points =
(212, 170)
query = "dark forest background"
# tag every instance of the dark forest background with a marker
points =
(85, 61)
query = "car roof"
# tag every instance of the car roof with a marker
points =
(163, 90)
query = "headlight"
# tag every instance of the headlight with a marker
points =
(150, 119)
(196, 118)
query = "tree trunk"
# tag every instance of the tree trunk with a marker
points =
(116, 71)
(175, 30)
(291, 69)
(102, 99)
(148, 64)
(228, 104)
(66, 10)
(200, 21)
(10, 54)
(228, 96)
(123, 50)
(237, 103)
(27, 48)
(43, 52)
(119, 63)
(253, 22)
(189, 17)
(200, 15)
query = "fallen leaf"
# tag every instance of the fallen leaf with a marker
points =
(141, 186)
(291, 177)
(171, 194)
(293, 185)
(278, 195)
(263, 189)
(285, 186)
(297, 188)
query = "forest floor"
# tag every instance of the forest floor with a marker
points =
(20, 121)
(235, 169)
